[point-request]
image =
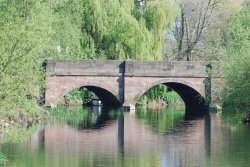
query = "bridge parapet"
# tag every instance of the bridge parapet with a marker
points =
(130, 68)
(84, 67)
(169, 69)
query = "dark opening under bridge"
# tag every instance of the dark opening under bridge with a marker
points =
(122, 83)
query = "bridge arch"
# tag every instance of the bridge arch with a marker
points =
(193, 95)
(60, 86)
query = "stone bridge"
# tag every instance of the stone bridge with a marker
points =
(122, 83)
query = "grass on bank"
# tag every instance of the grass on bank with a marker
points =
(234, 116)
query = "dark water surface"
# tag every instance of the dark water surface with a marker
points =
(144, 138)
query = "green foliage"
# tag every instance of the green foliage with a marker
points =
(72, 116)
(237, 68)
(24, 31)
(161, 92)
(110, 29)
(77, 96)
(172, 97)
(234, 116)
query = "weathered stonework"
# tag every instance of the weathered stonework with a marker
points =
(124, 82)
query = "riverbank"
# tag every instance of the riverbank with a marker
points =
(74, 116)
(21, 120)
(236, 115)
(17, 127)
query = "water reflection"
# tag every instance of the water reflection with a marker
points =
(86, 118)
(161, 120)
(121, 135)
(147, 138)
(207, 134)
(94, 120)
(41, 139)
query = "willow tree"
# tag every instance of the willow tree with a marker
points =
(111, 29)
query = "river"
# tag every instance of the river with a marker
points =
(144, 138)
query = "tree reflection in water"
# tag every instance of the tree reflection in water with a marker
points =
(85, 118)
(162, 121)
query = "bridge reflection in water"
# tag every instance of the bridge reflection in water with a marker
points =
(144, 138)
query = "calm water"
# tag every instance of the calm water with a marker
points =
(145, 138)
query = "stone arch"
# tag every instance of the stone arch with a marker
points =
(59, 87)
(164, 81)
(191, 94)
(108, 98)
(92, 87)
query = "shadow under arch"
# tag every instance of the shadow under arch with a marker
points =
(107, 97)
(195, 103)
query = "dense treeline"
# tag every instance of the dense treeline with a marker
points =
(237, 62)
